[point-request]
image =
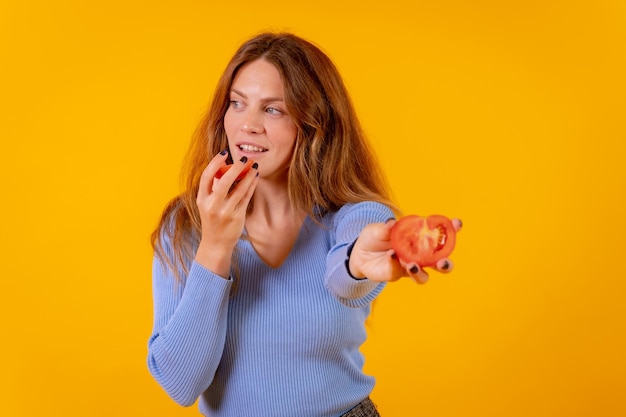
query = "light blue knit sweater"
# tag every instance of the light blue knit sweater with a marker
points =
(285, 343)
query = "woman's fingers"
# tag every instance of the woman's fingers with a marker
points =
(416, 273)
(242, 191)
(223, 208)
(444, 265)
(224, 184)
(206, 180)
(233, 181)
(225, 200)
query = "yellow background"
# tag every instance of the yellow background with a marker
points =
(508, 114)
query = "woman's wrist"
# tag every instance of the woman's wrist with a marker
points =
(214, 259)
(349, 263)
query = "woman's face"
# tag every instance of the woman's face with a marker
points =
(257, 124)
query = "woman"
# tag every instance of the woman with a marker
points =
(264, 277)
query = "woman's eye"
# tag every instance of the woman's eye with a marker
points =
(273, 110)
(235, 104)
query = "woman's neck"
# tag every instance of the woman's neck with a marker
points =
(271, 205)
(273, 224)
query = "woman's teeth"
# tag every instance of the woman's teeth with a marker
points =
(251, 148)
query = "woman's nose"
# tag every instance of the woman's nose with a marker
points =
(252, 123)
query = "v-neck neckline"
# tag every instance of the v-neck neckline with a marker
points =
(299, 236)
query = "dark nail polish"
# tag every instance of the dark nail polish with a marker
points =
(445, 265)
(244, 159)
(394, 256)
(460, 223)
(414, 269)
(255, 165)
(389, 219)
(224, 152)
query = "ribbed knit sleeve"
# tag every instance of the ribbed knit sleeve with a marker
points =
(347, 224)
(189, 332)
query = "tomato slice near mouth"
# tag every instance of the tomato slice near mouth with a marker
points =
(423, 240)
(222, 170)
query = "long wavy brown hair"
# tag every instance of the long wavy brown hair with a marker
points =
(332, 163)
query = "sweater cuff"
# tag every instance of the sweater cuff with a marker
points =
(353, 292)
(201, 279)
(347, 261)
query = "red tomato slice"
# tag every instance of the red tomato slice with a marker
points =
(423, 240)
(222, 170)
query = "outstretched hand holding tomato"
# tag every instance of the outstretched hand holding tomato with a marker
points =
(395, 249)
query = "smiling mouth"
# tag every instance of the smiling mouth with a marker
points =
(251, 148)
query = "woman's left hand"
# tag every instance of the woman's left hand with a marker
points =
(372, 257)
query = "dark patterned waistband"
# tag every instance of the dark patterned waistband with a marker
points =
(365, 408)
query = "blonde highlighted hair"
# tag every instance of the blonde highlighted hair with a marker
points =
(332, 163)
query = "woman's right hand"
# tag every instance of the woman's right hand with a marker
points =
(222, 205)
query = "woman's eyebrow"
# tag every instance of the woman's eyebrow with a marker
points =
(265, 100)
